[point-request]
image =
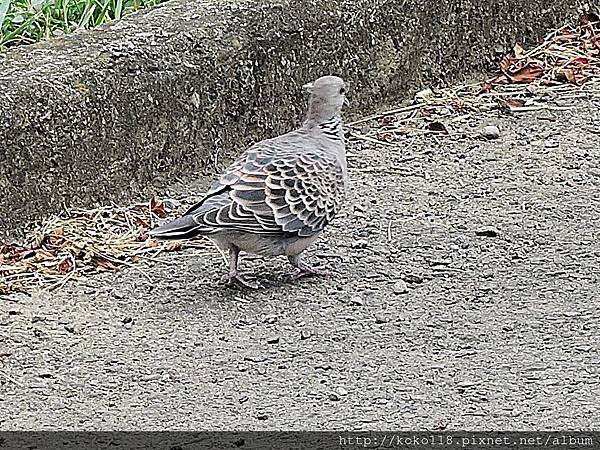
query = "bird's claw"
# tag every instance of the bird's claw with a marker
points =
(235, 278)
(308, 271)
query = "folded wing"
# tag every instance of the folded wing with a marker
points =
(274, 188)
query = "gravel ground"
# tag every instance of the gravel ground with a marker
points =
(467, 299)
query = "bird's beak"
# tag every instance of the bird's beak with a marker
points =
(308, 87)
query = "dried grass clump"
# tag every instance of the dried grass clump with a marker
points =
(82, 242)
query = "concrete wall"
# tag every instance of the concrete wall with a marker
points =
(106, 114)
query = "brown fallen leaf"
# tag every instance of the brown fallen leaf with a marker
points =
(64, 266)
(387, 121)
(590, 18)
(580, 62)
(488, 85)
(152, 243)
(426, 112)
(52, 240)
(14, 252)
(515, 102)
(521, 71)
(173, 246)
(140, 207)
(141, 222)
(571, 75)
(102, 263)
(157, 206)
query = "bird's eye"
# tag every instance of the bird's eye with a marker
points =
(342, 90)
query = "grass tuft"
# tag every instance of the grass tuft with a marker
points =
(28, 21)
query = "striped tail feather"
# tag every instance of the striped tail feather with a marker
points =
(183, 228)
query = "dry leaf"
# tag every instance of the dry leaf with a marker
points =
(173, 246)
(589, 18)
(580, 62)
(141, 222)
(53, 241)
(102, 263)
(574, 76)
(521, 71)
(515, 102)
(488, 85)
(14, 252)
(64, 267)
(157, 206)
(140, 208)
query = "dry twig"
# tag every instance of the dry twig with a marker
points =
(78, 243)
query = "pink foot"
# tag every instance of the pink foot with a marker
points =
(308, 271)
(233, 278)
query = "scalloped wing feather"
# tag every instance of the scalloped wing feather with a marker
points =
(278, 186)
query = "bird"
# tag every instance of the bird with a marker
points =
(277, 197)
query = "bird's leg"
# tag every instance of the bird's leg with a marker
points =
(304, 270)
(234, 275)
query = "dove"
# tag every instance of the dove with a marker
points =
(278, 196)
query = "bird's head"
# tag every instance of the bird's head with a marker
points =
(327, 97)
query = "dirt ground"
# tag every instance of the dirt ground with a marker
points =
(467, 299)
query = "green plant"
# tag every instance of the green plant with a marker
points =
(29, 21)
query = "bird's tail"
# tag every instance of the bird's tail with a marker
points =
(183, 228)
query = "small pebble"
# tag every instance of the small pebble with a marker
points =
(357, 300)
(551, 143)
(490, 132)
(262, 416)
(462, 241)
(342, 391)
(273, 340)
(305, 334)
(334, 397)
(413, 278)
(152, 377)
(400, 287)
(118, 294)
(380, 318)
(488, 273)
(361, 243)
